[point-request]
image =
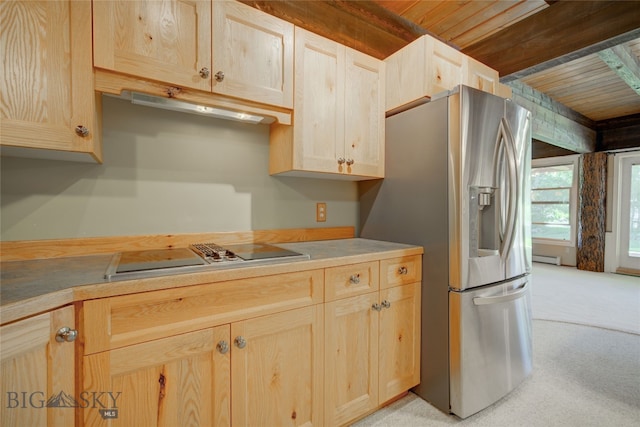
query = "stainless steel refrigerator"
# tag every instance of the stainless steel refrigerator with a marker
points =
(457, 183)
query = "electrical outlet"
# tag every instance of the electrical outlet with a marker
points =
(321, 212)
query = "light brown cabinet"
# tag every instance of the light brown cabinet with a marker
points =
(224, 47)
(175, 381)
(48, 108)
(427, 66)
(276, 375)
(372, 340)
(38, 371)
(338, 125)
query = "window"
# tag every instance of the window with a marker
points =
(553, 184)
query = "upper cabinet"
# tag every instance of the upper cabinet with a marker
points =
(338, 129)
(427, 66)
(224, 47)
(169, 41)
(48, 106)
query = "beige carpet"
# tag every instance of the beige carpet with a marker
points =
(586, 360)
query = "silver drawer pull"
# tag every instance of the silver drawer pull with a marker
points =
(376, 307)
(386, 304)
(222, 347)
(403, 270)
(66, 334)
(240, 342)
(355, 279)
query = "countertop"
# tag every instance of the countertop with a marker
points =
(34, 286)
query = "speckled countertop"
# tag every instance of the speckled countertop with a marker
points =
(34, 286)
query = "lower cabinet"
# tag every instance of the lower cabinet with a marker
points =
(176, 381)
(372, 345)
(37, 378)
(276, 377)
(261, 371)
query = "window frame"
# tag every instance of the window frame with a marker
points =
(573, 198)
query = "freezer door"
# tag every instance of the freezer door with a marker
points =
(490, 344)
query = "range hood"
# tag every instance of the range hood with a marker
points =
(187, 107)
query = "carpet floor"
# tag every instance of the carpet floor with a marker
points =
(586, 360)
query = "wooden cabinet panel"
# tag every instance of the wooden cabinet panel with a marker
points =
(399, 350)
(254, 50)
(169, 41)
(36, 368)
(124, 320)
(481, 77)
(351, 358)
(364, 115)
(176, 381)
(446, 67)
(400, 271)
(338, 129)
(426, 67)
(47, 81)
(351, 280)
(277, 376)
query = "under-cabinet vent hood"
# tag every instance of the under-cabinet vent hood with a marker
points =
(187, 107)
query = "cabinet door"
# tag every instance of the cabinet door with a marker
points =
(399, 340)
(47, 78)
(482, 77)
(254, 51)
(319, 107)
(351, 358)
(277, 371)
(169, 40)
(37, 375)
(177, 381)
(446, 67)
(405, 81)
(364, 115)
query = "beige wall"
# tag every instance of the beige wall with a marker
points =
(165, 172)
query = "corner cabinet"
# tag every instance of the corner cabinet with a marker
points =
(444, 68)
(224, 47)
(338, 123)
(48, 108)
(38, 370)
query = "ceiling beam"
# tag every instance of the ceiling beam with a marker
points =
(550, 126)
(624, 63)
(561, 29)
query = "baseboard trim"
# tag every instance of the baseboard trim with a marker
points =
(628, 271)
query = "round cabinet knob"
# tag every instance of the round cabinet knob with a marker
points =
(340, 160)
(219, 76)
(403, 270)
(240, 342)
(204, 72)
(222, 347)
(350, 162)
(376, 307)
(66, 334)
(386, 304)
(355, 279)
(82, 131)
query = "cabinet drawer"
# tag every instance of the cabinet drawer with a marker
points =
(350, 280)
(130, 319)
(400, 271)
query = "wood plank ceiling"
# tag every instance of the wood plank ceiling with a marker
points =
(558, 48)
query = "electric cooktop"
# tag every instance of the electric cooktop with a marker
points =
(145, 263)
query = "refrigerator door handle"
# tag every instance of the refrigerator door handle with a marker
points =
(506, 146)
(502, 298)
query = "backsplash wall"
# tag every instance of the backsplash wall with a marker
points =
(165, 172)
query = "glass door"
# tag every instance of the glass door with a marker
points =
(629, 254)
